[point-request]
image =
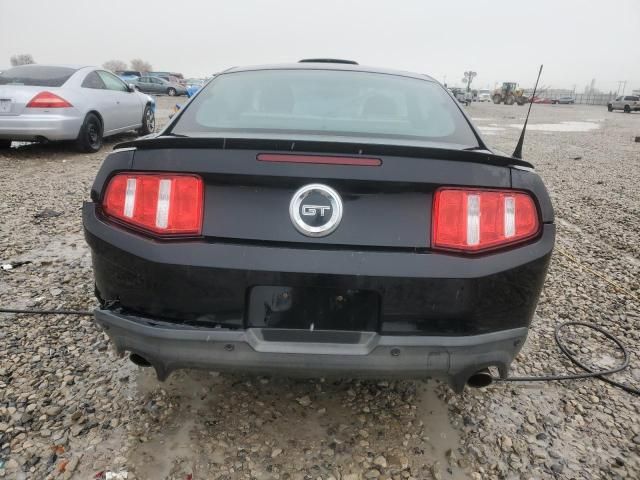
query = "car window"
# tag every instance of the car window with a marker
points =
(36, 76)
(618, 99)
(327, 102)
(92, 80)
(112, 82)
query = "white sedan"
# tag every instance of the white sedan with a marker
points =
(83, 104)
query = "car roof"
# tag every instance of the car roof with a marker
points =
(329, 66)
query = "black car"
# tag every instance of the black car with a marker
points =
(323, 219)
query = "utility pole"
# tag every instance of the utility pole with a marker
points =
(468, 78)
(621, 84)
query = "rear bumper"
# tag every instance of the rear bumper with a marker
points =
(440, 315)
(420, 293)
(169, 346)
(38, 126)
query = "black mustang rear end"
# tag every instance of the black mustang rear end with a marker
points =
(319, 219)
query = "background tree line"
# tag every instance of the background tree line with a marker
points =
(136, 64)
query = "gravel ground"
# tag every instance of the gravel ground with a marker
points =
(70, 409)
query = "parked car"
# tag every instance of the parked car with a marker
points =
(159, 85)
(461, 95)
(484, 96)
(172, 79)
(193, 89)
(627, 103)
(464, 98)
(544, 100)
(196, 82)
(319, 218)
(168, 76)
(567, 99)
(84, 104)
(128, 73)
(128, 76)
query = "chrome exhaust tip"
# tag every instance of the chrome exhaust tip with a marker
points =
(482, 378)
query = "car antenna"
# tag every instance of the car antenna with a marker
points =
(517, 153)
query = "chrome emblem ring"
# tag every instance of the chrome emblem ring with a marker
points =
(316, 210)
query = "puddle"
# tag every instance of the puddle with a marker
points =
(437, 427)
(559, 127)
(158, 457)
(201, 435)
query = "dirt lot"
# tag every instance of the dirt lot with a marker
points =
(70, 409)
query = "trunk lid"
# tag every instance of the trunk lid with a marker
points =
(384, 206)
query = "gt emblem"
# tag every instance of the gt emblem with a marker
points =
(315, 210)
(309, 210)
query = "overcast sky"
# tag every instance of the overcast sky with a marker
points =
(501, 40)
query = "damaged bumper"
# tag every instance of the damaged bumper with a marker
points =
(169, 346)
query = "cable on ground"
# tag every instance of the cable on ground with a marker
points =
(589, 373)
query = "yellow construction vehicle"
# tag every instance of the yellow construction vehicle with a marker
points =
(509, 94)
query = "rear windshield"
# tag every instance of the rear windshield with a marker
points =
(327, 103)
(36, 76)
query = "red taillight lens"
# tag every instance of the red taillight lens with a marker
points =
(477, 220)
(48, 100)
(164, 204)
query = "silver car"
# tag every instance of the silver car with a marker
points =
(160, 86)
(84, 104)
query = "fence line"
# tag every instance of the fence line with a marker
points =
(582, 98)
(594, 98)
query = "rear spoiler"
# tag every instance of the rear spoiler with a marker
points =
(327, 147)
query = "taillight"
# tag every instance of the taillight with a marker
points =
(470, 220)
(163, 204)
(48, 100)
(319, 159)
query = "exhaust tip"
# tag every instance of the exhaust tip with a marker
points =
(482, 378)
(138, 360)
